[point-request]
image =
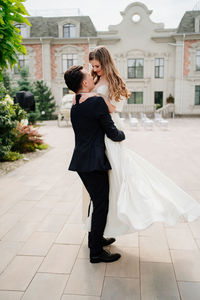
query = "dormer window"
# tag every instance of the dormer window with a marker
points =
(23, 30)
(69, 31)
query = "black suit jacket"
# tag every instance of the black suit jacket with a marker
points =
(91, 121)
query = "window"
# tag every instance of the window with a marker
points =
(69, 31)
(198, 60)
(23, 30)
(69, 60)
(23, 62)
(135, 68)
(197, 95)
(158, 98)
(159, 68)
(136, 98)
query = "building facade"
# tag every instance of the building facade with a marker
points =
(153, 61)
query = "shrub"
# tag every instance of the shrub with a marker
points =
(10, 115)
(42, 146)
(12, 156)
(170, 99)
(27, 139)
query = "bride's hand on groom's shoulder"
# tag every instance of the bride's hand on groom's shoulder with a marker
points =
(86, 96)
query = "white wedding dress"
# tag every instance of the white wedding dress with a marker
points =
(139, 194)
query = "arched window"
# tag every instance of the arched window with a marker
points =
(23, 30)
(22, 61)
(69, 31)
(69, 60)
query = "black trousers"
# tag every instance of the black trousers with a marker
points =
(97, 185)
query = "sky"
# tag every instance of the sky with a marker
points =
(107, 12)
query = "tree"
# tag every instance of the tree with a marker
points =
(11, 12)
(24, 83)
(44, 100)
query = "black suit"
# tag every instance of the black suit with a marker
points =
(91, 121)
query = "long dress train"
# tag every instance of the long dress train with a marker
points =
(140, 194)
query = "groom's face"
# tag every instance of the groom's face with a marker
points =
(88, 81)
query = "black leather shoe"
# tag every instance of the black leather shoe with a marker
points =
(106, 242)
(105, 256)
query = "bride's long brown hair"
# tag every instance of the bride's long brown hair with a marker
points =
(117, 87)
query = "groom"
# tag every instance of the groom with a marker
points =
(91, 121)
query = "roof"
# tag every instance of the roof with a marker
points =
(48, 26)
(187, 23)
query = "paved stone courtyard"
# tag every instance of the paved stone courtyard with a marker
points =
(43, 246)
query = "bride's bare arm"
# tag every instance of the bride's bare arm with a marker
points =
(111, 107)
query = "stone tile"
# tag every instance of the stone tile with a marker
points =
(71, 234)
(48, 201)
(128, 240)
(46, 286)
(84, 250)
(127, 265)
(180, 238)
(155, 229)
(35, 215)
(186, 264)
(154, 249)
(8, 295)
(7, 221)
(77, 297)
(158, 282)
(19, 273)
(195, 228)
(53, 223)
(63, 208)
(76, 215)
(86, 278)
(20, 232)
(38, 244)
(22, 207)
(35, 194)
(121, 288)
(189, 290)
(60, 259)
(8, 250)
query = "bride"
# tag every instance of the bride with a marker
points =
(139, 194)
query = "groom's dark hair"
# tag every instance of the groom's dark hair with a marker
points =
(74, 77)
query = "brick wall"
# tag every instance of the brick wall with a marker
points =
(37, 48)
(54, 48)
(187, 56)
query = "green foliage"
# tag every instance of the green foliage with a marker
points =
(24, 83)
(11, 12)
(33, 116)
(27, 139)
(10, 115)
(3, 91)
(44, 100)
(158, 106)
(12, 156)
(42, 146)
(7, 81)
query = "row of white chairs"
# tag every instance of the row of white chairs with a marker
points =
(148, 123)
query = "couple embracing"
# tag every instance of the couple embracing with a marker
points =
(127, 193)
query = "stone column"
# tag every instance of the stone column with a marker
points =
(46, 61)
